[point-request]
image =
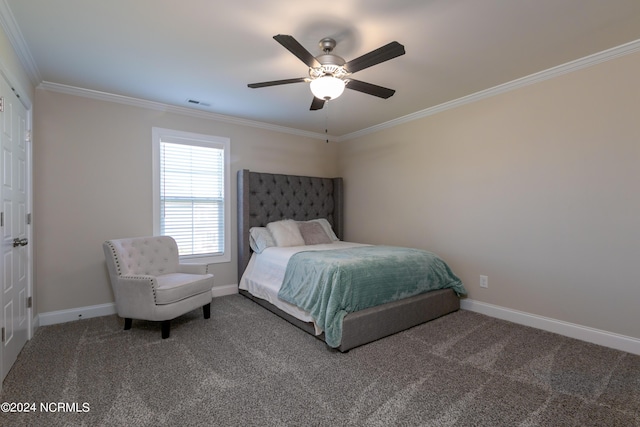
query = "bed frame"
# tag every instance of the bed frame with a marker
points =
(266, 197)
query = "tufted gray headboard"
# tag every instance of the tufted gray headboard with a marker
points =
(267, 197)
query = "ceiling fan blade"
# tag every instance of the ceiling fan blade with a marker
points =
(384, 53)
(297, 49)
(369, 88)
(317, 104)
(276, 83)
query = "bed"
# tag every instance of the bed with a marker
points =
(265, 198)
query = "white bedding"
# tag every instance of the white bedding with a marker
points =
(265, 272)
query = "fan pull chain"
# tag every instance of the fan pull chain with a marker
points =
(326, 121)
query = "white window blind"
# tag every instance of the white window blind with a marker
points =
(191, 193)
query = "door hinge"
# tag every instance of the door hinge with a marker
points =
(1, 104)
(1, 219)
(3, 334)
(29, 219)
(29, 302)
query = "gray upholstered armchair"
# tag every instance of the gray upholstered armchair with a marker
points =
(149, 283)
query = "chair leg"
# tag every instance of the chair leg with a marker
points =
(166, 328)
(127, 323)
(206, 309)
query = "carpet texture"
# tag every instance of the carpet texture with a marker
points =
(246, 366)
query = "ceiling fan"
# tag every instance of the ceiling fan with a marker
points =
(329, 74)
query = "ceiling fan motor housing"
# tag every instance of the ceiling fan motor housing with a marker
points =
(331, 65)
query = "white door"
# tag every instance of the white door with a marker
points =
(14, 225)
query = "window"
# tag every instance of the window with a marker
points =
(191, 193)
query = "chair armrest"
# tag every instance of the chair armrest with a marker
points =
(137, 287)
(135, 295)
(195, 268)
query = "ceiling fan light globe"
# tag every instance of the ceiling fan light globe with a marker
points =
(327, 87)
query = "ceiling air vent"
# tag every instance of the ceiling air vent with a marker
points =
(196, 102)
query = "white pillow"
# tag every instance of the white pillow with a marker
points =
(286, 233)
(260, 238)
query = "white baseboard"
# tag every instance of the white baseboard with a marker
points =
(596, 336)
(63, 316)
(220, 291)
(584, 333)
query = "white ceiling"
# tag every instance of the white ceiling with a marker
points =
(170, 51)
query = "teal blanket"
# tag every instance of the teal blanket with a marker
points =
(330, 284)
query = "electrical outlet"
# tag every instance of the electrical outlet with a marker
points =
(484, 281)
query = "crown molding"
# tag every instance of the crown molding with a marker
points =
(559, 70)
(136, 102)
(11, 29)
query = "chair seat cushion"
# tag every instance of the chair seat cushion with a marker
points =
(174, 287)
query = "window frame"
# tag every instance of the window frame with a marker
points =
(191, 138)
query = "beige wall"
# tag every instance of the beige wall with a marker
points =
(536, 188)
(92, 182)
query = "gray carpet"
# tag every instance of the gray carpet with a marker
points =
(245, 366)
